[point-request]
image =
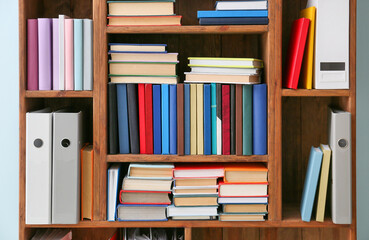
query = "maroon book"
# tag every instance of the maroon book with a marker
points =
(32, 54)
(148, 116)
(226, 119)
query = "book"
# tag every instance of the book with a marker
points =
(149, 119)
(219, 118)
(245, 172)
(150, 171)
(238, 120)
(233, 14)
(187, 120)
(144, 197)
(241, 217)
(208, 170)
(234, 21)
(213, 105)
(241, 5)
(173, 119)
(143, 79)
(243, 200)
(32, 54)
(220, 78)
(133, 118)
(194, 217)
(180, 120)
(259, 119)
(171, 20)
(122, 109)
(200, 118)
(308, 59)
(87, 180)
(134, 184)
(225, 62)
(165, 138)
(225, 70)
(245, 208)
(295, 53)
(112, 119)
(233, 119)
(226, 134)
(44, 54)
(142, 68)
(173, 211)
(195, 201)
(193, 190)
(55, 53)
(156, 112)
(247, 119)
(193, 114)
(142, 56)
(310, 184)
(78, 54)
(243, 189)
(323, 182)
(87, 55)
(142, 118)
(69, 54)
(140, 8)
(62, 51)
(141, 212)
(195, 182)
(207, 120)
(135, 47)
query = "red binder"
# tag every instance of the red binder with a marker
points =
(226, 119)
(142, 118)
(295, 53)
(148, 116)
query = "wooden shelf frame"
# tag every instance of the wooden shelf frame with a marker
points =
(59, 94)
(315, 93)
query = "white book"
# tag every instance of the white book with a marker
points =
(192, 211)
(61, 51)
(87, 55)
(241, 5)
(219, 119)
(113, 188)
(225, 70)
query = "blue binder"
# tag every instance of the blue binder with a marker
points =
(259, 119)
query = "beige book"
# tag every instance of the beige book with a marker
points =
(193, 113)
(195, 201)
(324, 174)
(196, 182)
(200, 118)
(87, 158)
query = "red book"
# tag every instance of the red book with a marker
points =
(142, 118)
(295, 53)
(226, 119)
(148, 116)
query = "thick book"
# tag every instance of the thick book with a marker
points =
(173, 211)
(123, 129)
(137, 184)
(193, 114)
(171, 20)
(198, 170)
(247, 119)
(295, 53)
(137, 47)
(213, 103)
(226, 120)
(142, 118)
(142, 68)
(173, 119)
(143, 56)
(149, 119)
(323, 182)
(221, 78)
(243, 189)
(241, 217)
(156, 112)
(78, 54)
(44, 54)
(141, 8)
(132, 103)
(233, 14)
(180, 119)
(165, 119)
(238, 120)
(200, 118)
(113, 187)
(234, 21)
(241, 5)
(219, 118)
(233, 119)
(32, 54)
(113, 119)
(207, 120)
(130, 212)
(225, 62)
(187, 120)
(69, 53)
(245, 208)
(225, 70)
(155, 79)
(87, 55)
(150, 171)
(311, 182)
(87, 180)
(144, 197)
(55, 44)
(259, 119)
(243, 200)
(245, 172)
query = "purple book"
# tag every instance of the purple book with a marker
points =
(32, 55)
(55, 54)
(44, 54)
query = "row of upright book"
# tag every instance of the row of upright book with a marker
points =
(146, 191)
(59, 54)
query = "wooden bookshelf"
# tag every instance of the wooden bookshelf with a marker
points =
(297, 119)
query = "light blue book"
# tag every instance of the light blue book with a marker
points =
(213, 118)
(311, 182)
(165, 119)
(232, 14)
(78, 54)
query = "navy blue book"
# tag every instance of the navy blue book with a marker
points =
(165, 119)
(187, 119)
(233, 14)
(172, 119)
(123, 130)
(134, 140)
(156, 115)
(259, 119)
(234, 21)
(207, 119)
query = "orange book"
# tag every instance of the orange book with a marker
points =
(245, 172)
(87, 171)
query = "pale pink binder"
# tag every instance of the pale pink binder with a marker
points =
(68, 59)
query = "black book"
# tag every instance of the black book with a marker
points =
(113, 118)
(134, 140)
(233, 119)
(234, 21)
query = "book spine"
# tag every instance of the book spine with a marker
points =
(44, 54)
(235, 21)
(113, 124)
(32, 54)
(61, 52)
(55, 53)
(133, 118)
(165, 118)
(232, 14)
(247, 120)
(238, 121)
(226, 121)
(141, 117)
(156, 111)
(187, 120)
(149, 119)
(87, 55)
(122, 118)
(193, 114)
(233, 119)
(200, 118)
(207, 120)
(78, 54)
(259, 119)
(68, 59)
(219, 118)
(213, 118)
(173, 119)
(180, 119)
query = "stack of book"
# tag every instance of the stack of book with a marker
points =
(195, 192)
(142, 13)
(144, 195)
(243, 193)
(236, 13)
(59, 54)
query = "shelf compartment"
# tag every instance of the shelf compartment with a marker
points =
(59, 94)
(190, 29)
(185, 158)
(315, 93)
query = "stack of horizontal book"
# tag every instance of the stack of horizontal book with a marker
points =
(144, 195)
(142, 13)
(236, 13)
(243, 193)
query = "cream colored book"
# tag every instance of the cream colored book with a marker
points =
(324, 174)
(200, 118)
(193, 113)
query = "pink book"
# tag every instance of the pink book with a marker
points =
(32, 54)
(68, 60)
(55, 54)
(44, 54)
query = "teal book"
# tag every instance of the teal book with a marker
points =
(247, 120)
(213, 118)
(165, 119)
(78, 54)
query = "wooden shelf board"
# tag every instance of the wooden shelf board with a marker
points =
(192, 29)
(315, 93)
(59, 94)
(185, 158)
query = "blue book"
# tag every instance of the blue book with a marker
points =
(259, 119)
(187, 119)
(234, 21)
(213, 118)
(123, 130)
(232, 14)
(165, 119)
(207, 120)
(311, 182)
(78, 54)
(156, 113)
(173, 119)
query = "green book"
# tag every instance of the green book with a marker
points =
(247, 120)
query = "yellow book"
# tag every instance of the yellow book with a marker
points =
(324, 173)
(200, 118)
(307, 68)
(193, 112)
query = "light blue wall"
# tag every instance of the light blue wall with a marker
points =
(9, 177)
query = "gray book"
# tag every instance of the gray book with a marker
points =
(87, 55)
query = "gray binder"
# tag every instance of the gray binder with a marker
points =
(67, 133)
(340, 143)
